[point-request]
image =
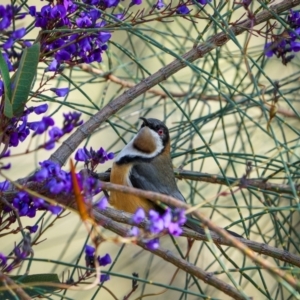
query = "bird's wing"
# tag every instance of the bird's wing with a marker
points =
(145, 176)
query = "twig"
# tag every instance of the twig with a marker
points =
(14, 288)
(64, 151)
(160, 93)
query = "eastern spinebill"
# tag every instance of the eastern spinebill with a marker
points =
(145, 163)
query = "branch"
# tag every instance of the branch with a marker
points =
(281, 254)
(64, 151)
(167, 255)
(261, 184)
(160, 93)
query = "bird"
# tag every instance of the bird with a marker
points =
(145, 163)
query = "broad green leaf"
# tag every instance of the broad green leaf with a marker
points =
(6, 79)
(22, 81)
(33, 291)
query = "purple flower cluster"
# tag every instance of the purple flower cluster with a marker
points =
(8, 15)
(288, 42)
(77, 47)
(92, 158)
(55, 181)
(102, 261)
(71, 120)
(170, 221)
(17, 129)
(27, 205)
(20, 253)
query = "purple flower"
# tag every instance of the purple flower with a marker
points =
(82, 154)
(55, 133)
(60, 92)
(18, 33)
(105, 260)
(53, 66)
(179, 216)
(38, 203)
(14, 139)
(83, 21)
(32, 10)
(32, 229)
(139, 216)
(103, 203)
(62, 55)
(5, 167)
(8, 44)
(104, 36)
(6, 154)
(41, 175)
(89, 250)
(156, 223)
(40, 127)
(159, 4)
(4, 185)
(268, 50)
(58, 12)
(111, 3)
(203, 2)
(153, 244)
(182, 10)
(3, 259)
(55, 186)
(92, 157)
(54, 209)
(89, 256)
(71, 120)
(134, 231)
(136, 2)
(31, 212)
(174, 229)
(104, 277)
(293, 19)
(295, 46)
(91, 2)
(1, 88)
(46, 11)
(41, 109)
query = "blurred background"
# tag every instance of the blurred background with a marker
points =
(217, 111)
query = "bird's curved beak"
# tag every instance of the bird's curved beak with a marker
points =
(145, 121)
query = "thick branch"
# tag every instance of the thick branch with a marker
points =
(64, 151)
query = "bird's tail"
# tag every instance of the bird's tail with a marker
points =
(192, 225)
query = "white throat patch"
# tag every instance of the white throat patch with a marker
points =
(130, 151)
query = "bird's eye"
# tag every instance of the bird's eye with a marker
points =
(160, 131)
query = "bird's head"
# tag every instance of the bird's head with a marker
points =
(150, 141)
